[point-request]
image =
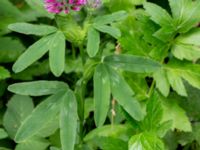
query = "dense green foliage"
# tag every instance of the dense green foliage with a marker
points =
(124, 76)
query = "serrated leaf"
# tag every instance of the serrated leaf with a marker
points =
(146, 141)
(93, 42)
(165, 34)
(172, 111)
(176, 70)
(153, 117)
(138, 84)
(162, 82)
(19, 107)
(176, 82)
(124, 96)
(132, 31)
(184, 18)
(113, 31)
(187, 46)
(32, 29)
(40, 117)
(57, 53)
(161, 17)
(38, 88)
(68, 121)
(101, 94)
(158, 14)
(137, 64)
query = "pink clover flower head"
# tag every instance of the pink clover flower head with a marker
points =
(58, 6)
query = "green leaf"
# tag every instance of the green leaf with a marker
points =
(57, 53)
(101, 94)
(137, 64)
(124, 96)
(38, 88)
(146, 141)
(32, 54)
(115, 131)
(133, 33)
(32, 29)
(55, 43)
(158, 14)
(68, 121)
(172, 111)
(19, 108)
(154, 114)
(35, 143)
(176, 82)
(10, 49)
(4, 73)
(38, 6)
(93, 42)
(3, 134)
(187, 46)
(192, 104)
(165, 34)
(88, 107)
(176, 70)
(161, 17)
(138, 84)
(162, 82)
(117, 5)
(51, 127)
(109, 143)
(184, 18)
(40, 117)
(113, 31)
(108, 19)
(7, 8)
(37, 69)
(54, 148)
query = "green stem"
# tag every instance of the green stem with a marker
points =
(80, 94)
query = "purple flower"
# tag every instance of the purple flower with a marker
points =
(58, 6)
